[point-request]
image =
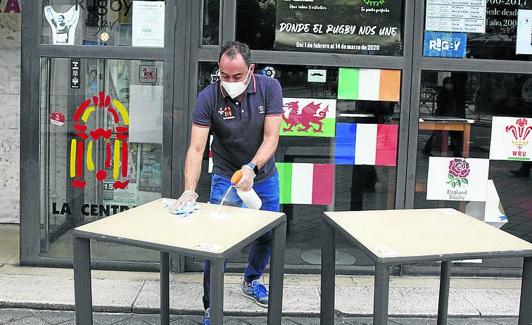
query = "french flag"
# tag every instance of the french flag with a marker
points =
(366, 144)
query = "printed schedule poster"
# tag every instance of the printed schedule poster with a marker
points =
(148, 23)
(340, 26)
(468, 16)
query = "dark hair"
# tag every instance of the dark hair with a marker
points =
(232, 48)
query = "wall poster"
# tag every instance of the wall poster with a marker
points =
(467, 16)
(340, 26)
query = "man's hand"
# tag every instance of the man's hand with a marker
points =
(246, 182)
(188, 196)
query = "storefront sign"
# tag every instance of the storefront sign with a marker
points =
(457, 179)
(443, 44)
(511, 138)
(466, 16)
(9, 6)
(148, 23)
(366, 144)
(317, 75)
(357, 26)
(524, 32)
(147, 73)
(93, 210)
(74, 73)
(308, 117)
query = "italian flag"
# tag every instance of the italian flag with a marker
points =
(366, 144)
(369, 84)
(301, 183)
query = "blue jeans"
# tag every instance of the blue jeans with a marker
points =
(260, 250)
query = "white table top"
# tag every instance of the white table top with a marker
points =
(207, 230)
(424, 234)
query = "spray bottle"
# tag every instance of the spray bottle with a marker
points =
(250, 198)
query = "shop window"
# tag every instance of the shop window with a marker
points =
(103, 22)
(211, 22)
(492, 29)
(100, 147)
(351, 27)
(329, 111)
(474, 148)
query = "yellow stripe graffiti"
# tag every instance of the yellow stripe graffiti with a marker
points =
(90, 162)
(122, 110)
(116, 160)
(73, 146)
(87, 113)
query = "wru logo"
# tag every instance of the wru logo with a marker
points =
(458, 172)
(520, 131)
(115, 158)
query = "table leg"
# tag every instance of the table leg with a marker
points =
(467, 137)
(217, 292)
(525, 311)
(443, 303)
(380, 295)
(82, 280)
(275, 301)
(165, 288)
(328, 259)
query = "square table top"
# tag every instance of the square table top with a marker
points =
(209, 232)
(418, 235)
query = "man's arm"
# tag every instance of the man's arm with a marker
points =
(198, 140)
(270, 140)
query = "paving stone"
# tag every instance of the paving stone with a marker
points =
(56, 317)
(8, 315)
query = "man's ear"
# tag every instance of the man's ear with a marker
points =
(251, 68)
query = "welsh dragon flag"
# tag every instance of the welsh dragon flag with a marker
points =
(302, 183)
(308, 117)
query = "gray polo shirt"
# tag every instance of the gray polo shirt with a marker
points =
(238, 127)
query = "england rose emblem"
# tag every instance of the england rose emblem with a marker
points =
(458, 172)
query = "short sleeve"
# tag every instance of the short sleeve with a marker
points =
(275, 98)
(202, 114)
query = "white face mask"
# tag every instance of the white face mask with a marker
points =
(234, 89)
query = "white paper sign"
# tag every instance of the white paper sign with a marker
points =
(457, 179)
(524, 32)
(148, 23)
(511, 138)
(467, 16)
(146, 114)
(317, 75)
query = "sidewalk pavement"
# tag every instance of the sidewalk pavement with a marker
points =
(138, 292)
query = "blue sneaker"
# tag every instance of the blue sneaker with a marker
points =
(256, 291)
(207, 317)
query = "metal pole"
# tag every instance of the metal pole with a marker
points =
(381, 291)
(217, 291)
(525, 309)
(82, 280)
(275, 301)
(165, 288)
(443, 303)
(328, 257)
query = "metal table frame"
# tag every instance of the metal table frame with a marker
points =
(382, 278)
(82, 272)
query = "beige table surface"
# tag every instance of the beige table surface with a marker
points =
(426, 233)
(206, 230)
